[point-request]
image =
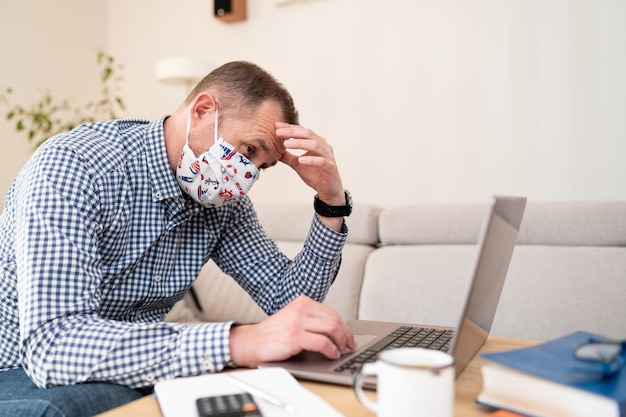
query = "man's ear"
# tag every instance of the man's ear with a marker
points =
(204, 105)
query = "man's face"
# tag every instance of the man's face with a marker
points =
(255, 137)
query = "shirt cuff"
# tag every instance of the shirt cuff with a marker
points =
(325, 242)
(205, 348)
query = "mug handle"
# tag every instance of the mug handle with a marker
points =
(367, 369)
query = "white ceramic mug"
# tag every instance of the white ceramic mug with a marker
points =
(411, 382)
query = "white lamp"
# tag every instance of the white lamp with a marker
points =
(181, 70)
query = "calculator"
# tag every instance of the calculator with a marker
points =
(230, 405)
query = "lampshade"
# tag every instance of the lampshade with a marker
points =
(181, 70)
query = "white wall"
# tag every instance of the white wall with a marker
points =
(448, 100)
(423, 100)
(46, 46)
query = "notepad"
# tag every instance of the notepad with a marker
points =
(177, 397)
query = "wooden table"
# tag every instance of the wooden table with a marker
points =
(467, 387)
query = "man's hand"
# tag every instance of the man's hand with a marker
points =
(303, 324)
(317, 166)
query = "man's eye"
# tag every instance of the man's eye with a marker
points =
(249, 150)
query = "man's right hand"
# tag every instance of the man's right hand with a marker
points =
(304, 324)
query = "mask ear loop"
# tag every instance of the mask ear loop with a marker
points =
(188, 127)
(215, 124)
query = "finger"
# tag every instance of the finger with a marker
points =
(310, 145)
(327, 322)
(289, 159)
(287, 131)
(343, 338)
(315, 161)
(316, 342)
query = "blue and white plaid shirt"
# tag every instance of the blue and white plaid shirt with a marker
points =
(97, 242)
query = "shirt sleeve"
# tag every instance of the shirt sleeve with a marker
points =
(63, 338)
(248, 255)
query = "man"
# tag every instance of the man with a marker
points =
(107, 226)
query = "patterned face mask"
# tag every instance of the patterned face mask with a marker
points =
(218, 176)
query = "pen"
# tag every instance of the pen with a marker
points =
(251, 389)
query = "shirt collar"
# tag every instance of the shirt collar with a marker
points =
(162, 178)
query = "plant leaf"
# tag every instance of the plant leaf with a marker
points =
(106, 73)
(48, 115)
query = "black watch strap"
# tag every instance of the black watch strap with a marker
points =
(326, 210)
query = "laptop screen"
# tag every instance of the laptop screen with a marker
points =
(496, 243)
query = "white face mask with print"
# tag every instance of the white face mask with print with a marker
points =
(218, 176)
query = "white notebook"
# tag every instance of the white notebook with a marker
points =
(177, 397)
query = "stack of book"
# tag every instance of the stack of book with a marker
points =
(547, 380)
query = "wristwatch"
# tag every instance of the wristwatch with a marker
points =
(326, 210)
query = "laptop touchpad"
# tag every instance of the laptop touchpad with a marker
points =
(309, 356)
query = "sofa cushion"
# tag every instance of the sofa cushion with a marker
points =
(422, 284)
(580, 223)
(292, 222)
(221, 298)
(431, 224)
(554, 290)
(421, 272)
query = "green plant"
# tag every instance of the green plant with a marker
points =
(49, 116)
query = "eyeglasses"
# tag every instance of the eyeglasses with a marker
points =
(606, 353)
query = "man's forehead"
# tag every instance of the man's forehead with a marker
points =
(273, 147)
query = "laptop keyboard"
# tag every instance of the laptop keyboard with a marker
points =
(403, 336)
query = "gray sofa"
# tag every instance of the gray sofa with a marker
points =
(412, 263)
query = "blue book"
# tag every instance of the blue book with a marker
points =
(546, 380)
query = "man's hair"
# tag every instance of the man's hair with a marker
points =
(241, 86)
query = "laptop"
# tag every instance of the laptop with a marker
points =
(496, 242)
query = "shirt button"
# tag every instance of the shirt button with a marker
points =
(149, 377)
(157, 278)
(158, 195)
(207, 364)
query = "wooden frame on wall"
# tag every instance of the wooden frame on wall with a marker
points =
(230, 10)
